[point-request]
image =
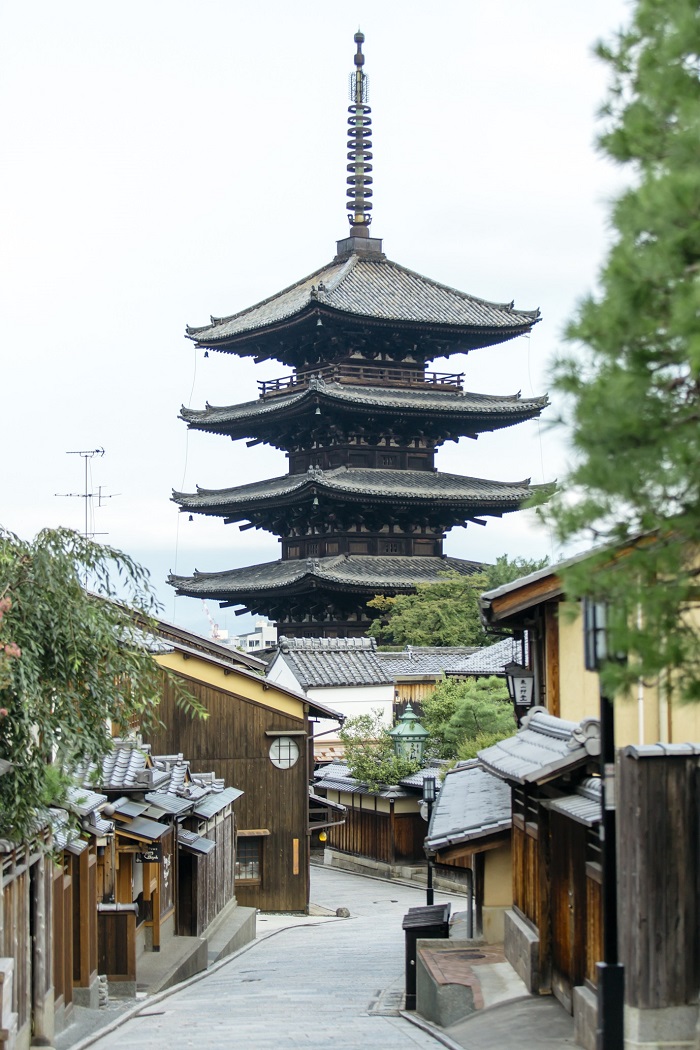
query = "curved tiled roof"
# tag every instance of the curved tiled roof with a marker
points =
(472, 804)
(493, 412)
(414, 486)
(491, 659)
(544, 747)
(362, 571)
(319, 662)
(375, 288)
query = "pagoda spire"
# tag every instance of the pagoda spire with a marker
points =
(359, 179)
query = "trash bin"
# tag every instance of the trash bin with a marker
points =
(427, 921)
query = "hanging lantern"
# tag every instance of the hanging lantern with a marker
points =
(521, 688)
(409, 737)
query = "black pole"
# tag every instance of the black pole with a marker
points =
(611, 974)
(429, 895)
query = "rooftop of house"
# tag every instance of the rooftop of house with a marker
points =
(543, 748)
(472, 804)
(337, 777)
(491, 659)
(585, 805)
(336, 662)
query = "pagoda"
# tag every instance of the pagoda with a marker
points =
(362, 509)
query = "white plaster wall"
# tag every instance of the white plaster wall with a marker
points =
(281, 673)
(353, 700)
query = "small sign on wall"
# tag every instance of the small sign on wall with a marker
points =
(152, 855)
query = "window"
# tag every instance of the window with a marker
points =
(388, 461)
(284, 752)
(311, 549)
(391, 547)
(248, 860)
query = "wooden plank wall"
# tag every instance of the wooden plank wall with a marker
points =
(117, 945)
(659, 879)
(232, 742)
(364, 834)
(16, 942)
(526, 874)
(389, 838)
(568, 901)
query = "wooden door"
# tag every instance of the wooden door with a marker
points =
(568, 907)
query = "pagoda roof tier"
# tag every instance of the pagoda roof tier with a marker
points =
(349, 573)
(355, 295)
(281, 418)
(428, 491)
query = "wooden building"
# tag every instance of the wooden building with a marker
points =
(536, 609)
(382, 826)
(470, 836)
(26, 986)
(360, 416)
(659, 898)
(258, 737)
(552, 932)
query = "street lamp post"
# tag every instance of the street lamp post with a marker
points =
(611, 973)
(429, 794)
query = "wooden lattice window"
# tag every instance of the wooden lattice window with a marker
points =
(248, 860)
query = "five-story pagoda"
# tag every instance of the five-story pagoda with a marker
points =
(363, 509)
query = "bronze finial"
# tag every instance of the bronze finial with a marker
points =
(359, 179)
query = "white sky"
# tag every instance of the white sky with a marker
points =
(164, 160)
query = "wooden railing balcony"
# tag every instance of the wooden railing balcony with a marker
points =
(364, 375)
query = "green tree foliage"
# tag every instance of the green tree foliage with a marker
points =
(465, 715)
(71, 663)
(632, 375)
(369, 751)
(445, 612)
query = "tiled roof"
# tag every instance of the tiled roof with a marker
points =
(82, 800)
(336, 777)
(585, 805)
(544, 747)
(425, 660)
(364, 571)
(492, 659)
(65, 835)
(196, 843)
(415, 780)
(163, 802)
(494, 411)
(213, 803)
(472, 804)
(662, 750)
(319, 662)
(370, 288)
(413, 486)
(142, 828)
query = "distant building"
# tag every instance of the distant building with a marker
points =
(264, 636)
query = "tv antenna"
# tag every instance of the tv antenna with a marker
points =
(88, 454)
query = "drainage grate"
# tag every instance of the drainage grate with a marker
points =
(388, 1003)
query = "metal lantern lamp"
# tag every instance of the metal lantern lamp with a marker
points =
(429, 796)
(409, 737)
(521, 688)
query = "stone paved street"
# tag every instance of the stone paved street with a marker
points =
(327, 982)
